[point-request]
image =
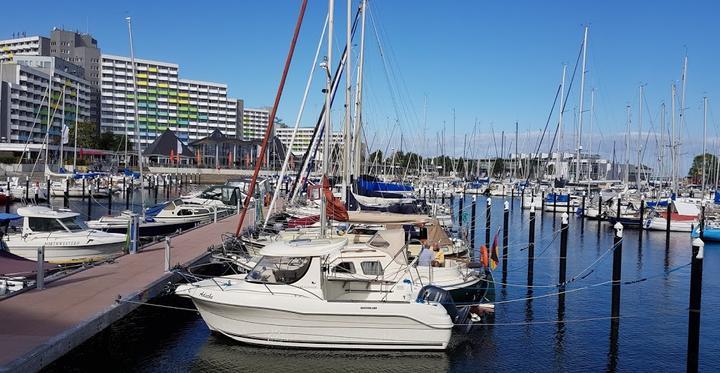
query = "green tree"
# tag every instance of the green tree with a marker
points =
(87, 136)
(697, 167)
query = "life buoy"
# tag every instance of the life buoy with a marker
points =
(484, 256)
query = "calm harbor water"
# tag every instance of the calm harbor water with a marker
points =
(525, 334)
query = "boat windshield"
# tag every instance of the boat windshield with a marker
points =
(279, 270)
(72, 224)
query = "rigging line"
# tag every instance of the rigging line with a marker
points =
(567, 96)
(537, 151)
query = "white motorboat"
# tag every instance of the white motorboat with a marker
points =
(148, 227)
(684, 217)
(220, 196)
(65, 239)
(177, 211)
(289, 299)
(57, 189)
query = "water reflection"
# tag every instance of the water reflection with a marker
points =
(221, 354)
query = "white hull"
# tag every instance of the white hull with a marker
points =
(312, 323)
(62, 251)
(660, 224)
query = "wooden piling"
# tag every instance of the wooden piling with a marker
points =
(563, 248)
(698, 251)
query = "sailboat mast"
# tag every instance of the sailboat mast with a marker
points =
(672, 140)
(627, 146)
(62, 130)
(77, 122)
(560, 120)
(592, 113)
(327, 132)
(347, 137)
(640, 143)
(704, 137)
(516, 152)
(582, 98)
(135, 111)
(358, 95)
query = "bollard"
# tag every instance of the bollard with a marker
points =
(616, 271)
(582, 214)
(48, 192)
(156, 189)
(127, 193)
(83, 190)
(506, 236)
(668, 220)
(27, 189)
(167, 189)
(563, 247)
(522, 198)
(460, 211)
(531, 245)
(215, 214)
(167, 254)
(66, 195)
(554, 211)
(40, 280)
(442, 198)
(568, 204)
(488, 211)
(89, 213)
(642, 213)
(133, 233)
(698, 251)
(542, 201)
(599, 217)
(473, 218)
(109, 201)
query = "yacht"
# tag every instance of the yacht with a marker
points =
(148, 226)
(66, 240)
(177, 211)
(291, 299)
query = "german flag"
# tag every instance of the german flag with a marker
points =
(494, 251)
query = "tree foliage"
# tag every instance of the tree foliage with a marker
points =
(88, 137)
(711, 163)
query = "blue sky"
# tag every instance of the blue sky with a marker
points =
(494, 61)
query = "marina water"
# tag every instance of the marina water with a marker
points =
(525, 334)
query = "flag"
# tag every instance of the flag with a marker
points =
(494, 251)
(65, 134)
(172, 155)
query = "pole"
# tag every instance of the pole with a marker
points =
(472, 225)
(109, 192)
(506, 229)
(460, 211)
(48, 191)
(127, 193)
(66, 195)
(488, 211)
(563, 247)
(27, 189)
(167, 254)
(531, 245)
(642, 212)
(616, 272)
(137, 120)
(668, 221)
(40, 280)
(89, 207)
(698, 250)
(83, 188)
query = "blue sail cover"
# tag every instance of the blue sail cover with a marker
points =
(717, 197)
(562, 198)
(154, 210)
(373, 188)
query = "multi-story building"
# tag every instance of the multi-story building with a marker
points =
(255, 123)
(24, 107)
(25, 45)
(302, 138)
(190, 108)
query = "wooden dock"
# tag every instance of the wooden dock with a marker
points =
(39, 326)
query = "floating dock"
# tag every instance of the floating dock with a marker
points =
(39, 326)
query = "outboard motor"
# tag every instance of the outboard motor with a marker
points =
(460, 315)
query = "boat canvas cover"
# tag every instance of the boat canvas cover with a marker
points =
(385, 218)
(437, 234)
(366, 183)
(391, 242)
(304, 248)
(552, 197)
(688, 209)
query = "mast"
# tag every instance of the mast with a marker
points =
(582, 97)
(640, 143)
(673, 144)
(327, 133)
(560, 120)
(47, 128)
(682, 109)
(137, 121)
(358, 96)
(627, 147)
(77, 117)
(347, 137)
(592, 113)
(704, 137)
(515, 167)
(62, 130)
(661, 156)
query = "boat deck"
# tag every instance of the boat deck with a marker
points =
(39, 326)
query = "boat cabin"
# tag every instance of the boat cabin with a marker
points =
(38, 219)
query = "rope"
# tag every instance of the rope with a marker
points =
(120, 300)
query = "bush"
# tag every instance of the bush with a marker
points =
(8, 159)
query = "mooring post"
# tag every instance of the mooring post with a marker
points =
(668, 221)
(27, 188)
(134, 233)
(109, 192)
(442, 198)
(460, 211)
(642, 212)
(40, 280)
(542, 201)
(156, 188)
(619, 202)
(568, 204)
(701, 226)
(563, 247)
(531, 245)
(215, 214)
(89, 213)
(167, 254)
(83, 188)
(522, 198)
(473, 232)
(698, 252)
(167, 188)
(599, 217)
(616, 272)
(488, 220)
(506, 236)
(66, 195)
(127, 193)
(48, 191)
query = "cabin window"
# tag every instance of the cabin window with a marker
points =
(202, 211)
(45, 225)
(372, 268)
(345, 267)
(279, 270)
(71, 224)
(184, 212)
